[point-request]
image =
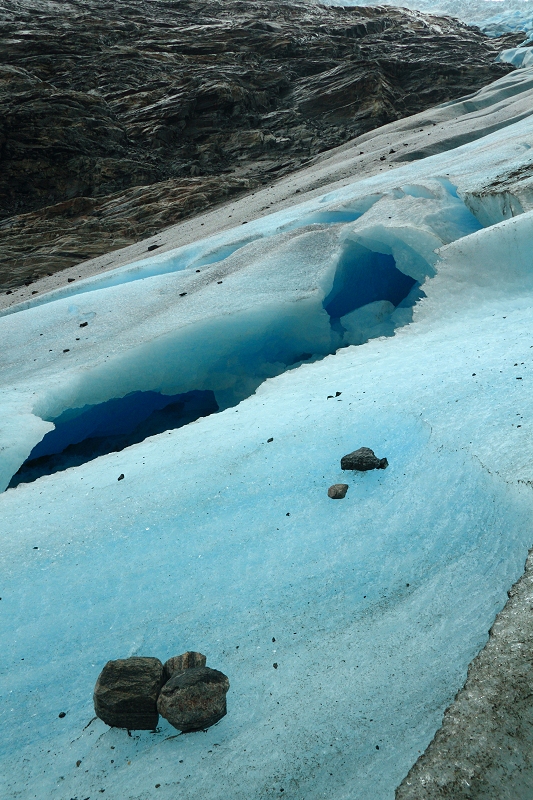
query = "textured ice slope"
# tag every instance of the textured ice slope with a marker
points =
(220, 541)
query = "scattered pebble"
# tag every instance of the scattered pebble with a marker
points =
(338, 491)
(120, 477)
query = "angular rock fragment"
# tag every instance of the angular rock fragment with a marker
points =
(188, 660)
(194, 699)
(125, 695)
(338, 491)
(363, 460)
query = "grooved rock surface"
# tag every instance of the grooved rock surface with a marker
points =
(363, 460)
(484, 749)
(194, 699)
(126, 691)
(188, 660)
(119, 119)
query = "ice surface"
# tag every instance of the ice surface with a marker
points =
(81, 434)
(222, 541)
(517, 56)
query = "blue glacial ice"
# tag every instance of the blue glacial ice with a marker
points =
(390, 318)
(519, 57)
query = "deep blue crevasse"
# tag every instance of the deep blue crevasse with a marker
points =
(83, 434)
(364, 276)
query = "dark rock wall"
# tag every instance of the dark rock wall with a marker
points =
(120, 118)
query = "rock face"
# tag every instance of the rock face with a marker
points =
(338, 491)
(125, 695)
(194, 699)
(189, 660)
(483, 749)
(363, 460)
(119, 119)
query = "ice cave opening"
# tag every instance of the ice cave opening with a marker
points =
(367, 288)
(364, 276)
(83, 434)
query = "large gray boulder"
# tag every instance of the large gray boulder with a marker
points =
(125, 695)
(363, 460)
(194, 699)
(188, 660)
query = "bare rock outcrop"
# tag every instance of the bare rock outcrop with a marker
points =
(120, 119)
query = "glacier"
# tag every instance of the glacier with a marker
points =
(493, 17)
(392, 312)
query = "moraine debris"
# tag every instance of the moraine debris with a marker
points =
(195, 699)
(338, 491)
(363, 460)
(125, 695)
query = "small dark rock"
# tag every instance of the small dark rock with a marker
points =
(338, 491)
(178, 664)
(194, 699)
(62, 714)
(83, 324)
(152, 247)
(363, 460)
(125, 695)
(270, 440)
(120, 477)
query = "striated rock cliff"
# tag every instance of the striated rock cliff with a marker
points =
(119, 119)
